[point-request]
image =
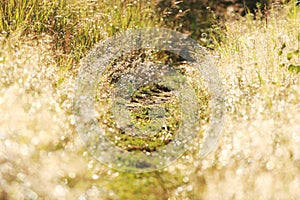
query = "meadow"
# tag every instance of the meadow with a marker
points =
(43, 44)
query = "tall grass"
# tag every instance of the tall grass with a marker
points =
(258, 157)
(41, 157)
(75, 26)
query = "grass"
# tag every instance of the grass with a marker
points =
(75, 26)
(42, 157)
(160, 131)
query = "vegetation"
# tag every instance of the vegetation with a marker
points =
(41, 155)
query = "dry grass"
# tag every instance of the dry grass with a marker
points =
(258, 157)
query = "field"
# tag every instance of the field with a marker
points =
(43, 45)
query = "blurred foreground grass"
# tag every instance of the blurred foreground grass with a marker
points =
(41, 156)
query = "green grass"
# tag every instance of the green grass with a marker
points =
(41, 155)
(74, 26)
(159, 132)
